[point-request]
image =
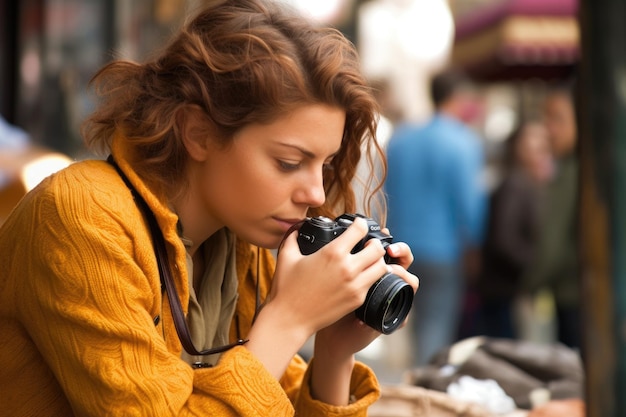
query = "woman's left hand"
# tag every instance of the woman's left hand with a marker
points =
(335, 345)
(350, 335)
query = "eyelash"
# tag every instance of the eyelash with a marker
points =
(286, 166)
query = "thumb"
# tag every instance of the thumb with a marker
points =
(289, 245)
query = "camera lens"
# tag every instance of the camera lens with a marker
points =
(394, 308)
(387, 304)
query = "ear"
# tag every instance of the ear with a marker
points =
(196, 132)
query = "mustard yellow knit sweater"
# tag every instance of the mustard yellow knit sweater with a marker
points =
(79, 292)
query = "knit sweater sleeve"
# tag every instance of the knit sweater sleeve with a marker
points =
(88, 304)
(364, 391)
(251, 391)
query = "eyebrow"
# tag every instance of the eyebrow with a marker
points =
(304, 151)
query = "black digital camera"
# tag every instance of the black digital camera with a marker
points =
(389, 300)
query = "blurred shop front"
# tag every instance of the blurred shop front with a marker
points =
(515, 49)
(49, 50)
(52, 49)
(519, 39)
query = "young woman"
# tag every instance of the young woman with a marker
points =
(250, 120)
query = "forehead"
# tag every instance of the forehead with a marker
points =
(316, 128)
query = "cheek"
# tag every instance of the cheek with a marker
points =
(250, 186)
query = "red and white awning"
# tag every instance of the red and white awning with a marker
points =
(518, 39)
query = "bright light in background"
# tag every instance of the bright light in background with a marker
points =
(425, 29)
(30, 68)
(405, 41)
(38, 169)
(500, 123)
(321, 10)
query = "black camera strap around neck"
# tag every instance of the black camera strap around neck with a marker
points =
(167, 282)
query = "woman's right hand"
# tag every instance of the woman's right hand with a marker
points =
(320, 288)
(310, 292)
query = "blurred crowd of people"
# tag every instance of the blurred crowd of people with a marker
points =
(501, 244)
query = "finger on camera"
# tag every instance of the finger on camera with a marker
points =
(353, 235)
(289, 245)
(375, 247)
(408, 277)
(400, 253)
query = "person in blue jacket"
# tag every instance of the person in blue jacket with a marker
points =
(437, 204)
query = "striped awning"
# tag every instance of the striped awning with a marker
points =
(518, 39)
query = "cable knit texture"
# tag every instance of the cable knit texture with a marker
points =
(79, 294)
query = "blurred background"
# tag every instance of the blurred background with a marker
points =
(514, 50)
(49, 49)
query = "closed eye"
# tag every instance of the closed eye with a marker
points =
(288, 166)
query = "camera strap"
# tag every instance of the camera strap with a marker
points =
(160, 250)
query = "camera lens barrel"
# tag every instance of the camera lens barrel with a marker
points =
(387, 304)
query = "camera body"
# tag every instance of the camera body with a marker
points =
(316, 232)
(390, 298)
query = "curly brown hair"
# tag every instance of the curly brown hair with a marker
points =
(239, 62)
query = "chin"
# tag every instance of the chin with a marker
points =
(270, 244)
(266, 241)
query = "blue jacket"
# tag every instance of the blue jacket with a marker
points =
(436, 197)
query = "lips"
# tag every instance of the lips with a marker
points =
(286, 224)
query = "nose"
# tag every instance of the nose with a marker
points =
(311, 190)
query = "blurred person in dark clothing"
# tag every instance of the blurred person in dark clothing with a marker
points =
(512, 227)
(555, 267)
(436, 204)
